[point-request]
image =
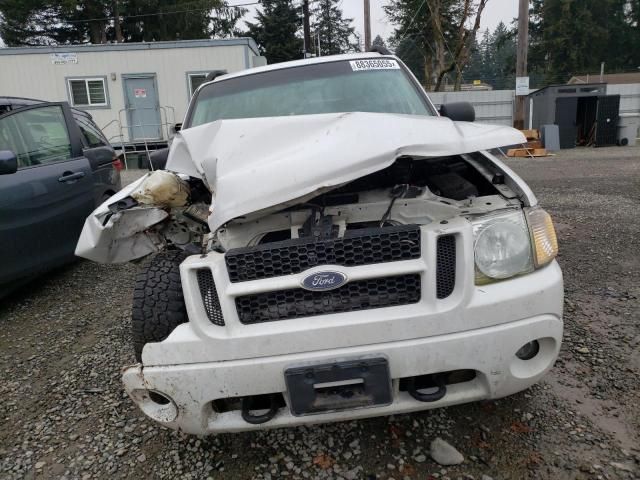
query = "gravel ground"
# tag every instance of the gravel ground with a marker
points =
(64, 338)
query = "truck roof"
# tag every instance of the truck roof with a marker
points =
(299, 63)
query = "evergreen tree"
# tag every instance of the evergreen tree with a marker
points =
(336, 33)
(224, 20)
(409, 52)
(37, 22)
(378, 42)
(484, 51)
(40, 22)
(275, 31)
(502, 54)
(575, 35)
(475, 69)
(572, 38)
(493, 59)
(182, 20)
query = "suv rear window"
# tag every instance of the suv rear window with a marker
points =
(91, 133)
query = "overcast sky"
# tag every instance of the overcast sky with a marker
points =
(495, 12)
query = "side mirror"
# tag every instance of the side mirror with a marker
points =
(458, 112)
(177, 127)
(8, 162)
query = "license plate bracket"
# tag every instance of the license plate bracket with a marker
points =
(338, 386)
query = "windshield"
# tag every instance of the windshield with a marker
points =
(366, 85)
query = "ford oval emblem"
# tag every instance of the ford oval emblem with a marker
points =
(323, 281)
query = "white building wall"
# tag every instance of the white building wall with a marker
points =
(33, 75)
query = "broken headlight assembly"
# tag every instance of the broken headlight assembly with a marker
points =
(510, 243)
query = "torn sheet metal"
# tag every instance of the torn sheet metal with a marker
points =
(109, 237)
(259, 165)
(264, 164)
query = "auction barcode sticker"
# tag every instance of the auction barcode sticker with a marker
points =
(374, 64)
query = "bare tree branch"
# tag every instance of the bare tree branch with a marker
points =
(460, 55)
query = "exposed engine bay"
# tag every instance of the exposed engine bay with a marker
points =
(241, 183)
(407, 192)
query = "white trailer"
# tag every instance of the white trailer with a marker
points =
(134, 91)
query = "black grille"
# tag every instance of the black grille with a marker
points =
(210, 296)
(358, 247)
(357, 295)
(446, 266)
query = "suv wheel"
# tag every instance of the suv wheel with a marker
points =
(158, 302)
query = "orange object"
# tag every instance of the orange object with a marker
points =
(531, 134)
(526, 152)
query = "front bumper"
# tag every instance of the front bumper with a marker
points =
(490, 352)
(202, 365)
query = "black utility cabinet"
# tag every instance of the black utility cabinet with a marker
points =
(584, 113)
(565, 118)
(607, 116)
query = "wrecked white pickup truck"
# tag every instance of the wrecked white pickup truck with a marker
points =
(323, 246)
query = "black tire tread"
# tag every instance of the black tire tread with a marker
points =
(158, 302)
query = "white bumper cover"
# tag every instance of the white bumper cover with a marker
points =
(489, 349)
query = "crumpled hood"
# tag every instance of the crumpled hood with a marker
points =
(252, 165)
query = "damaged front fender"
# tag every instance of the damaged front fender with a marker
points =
(123, 236)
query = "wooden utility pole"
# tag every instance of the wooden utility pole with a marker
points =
(367, 25)
(307, 29)
(521, 59)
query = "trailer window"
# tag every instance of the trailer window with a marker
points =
(195, 80)
(87, 92)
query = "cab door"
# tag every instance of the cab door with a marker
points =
(44, 203)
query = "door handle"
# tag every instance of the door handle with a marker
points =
(70, 176)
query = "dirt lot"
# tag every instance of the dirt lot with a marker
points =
(64, 338)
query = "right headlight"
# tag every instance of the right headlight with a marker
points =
(512, 242)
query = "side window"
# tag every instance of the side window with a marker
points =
(37, 136)
(91, 133)
(195, 80)
(10, 139)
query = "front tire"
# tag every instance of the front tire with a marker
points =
(158, 302)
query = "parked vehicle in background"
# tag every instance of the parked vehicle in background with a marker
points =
(55, 167)
(333, 249)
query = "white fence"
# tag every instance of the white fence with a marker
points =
(492, 106)
(496, 106)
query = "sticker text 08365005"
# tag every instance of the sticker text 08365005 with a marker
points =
(374, 64)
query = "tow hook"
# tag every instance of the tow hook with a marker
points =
(439, 380)
(247, 416)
